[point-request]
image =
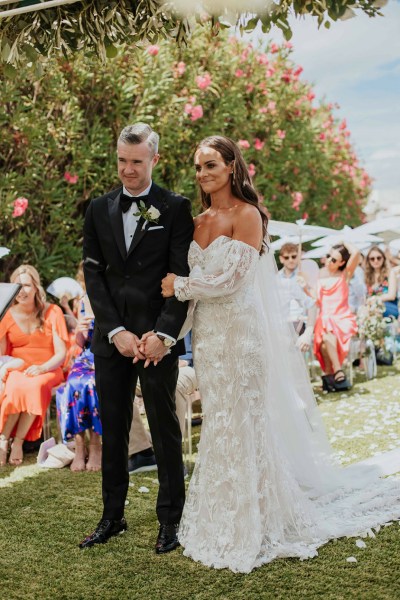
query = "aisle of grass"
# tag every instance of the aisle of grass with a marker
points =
(43, 518)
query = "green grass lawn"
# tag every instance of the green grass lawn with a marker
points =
(43, 518)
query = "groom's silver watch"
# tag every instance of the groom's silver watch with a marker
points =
(166, 341)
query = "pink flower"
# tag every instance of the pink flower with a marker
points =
(274, 48)
(188, 108)
(281, 134)
(269, 72)
(180, 68)
(20, 206)
(263, 110)
(239, 73)
(324, 207)
(297, 200)
(304, 216)
(310, 96)
(288, 45)
(322, 136)
(249, 88)
(271, 105)
(203, 81)
(262, 59)
(258, 144)
(343, 125)
(243, 144)
(298, 71)
(69, 178)
(153, 50)
(287, 77)
(196, 113)
(251, 169)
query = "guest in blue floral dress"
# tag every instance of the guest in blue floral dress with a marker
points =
(77, 400)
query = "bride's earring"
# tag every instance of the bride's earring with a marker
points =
(233, 174)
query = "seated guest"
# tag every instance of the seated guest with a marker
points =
(77, 400)
(297, 303)
(381, 281)
(35, 332)
(336, 324)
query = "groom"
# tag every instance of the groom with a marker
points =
(134, 236)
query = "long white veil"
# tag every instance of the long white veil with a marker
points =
(291, 403)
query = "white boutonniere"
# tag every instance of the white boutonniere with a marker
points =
(151, 214)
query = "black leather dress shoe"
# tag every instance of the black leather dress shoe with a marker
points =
(167, 539)
(104, 531)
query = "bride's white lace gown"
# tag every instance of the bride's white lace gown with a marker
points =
(245, 506)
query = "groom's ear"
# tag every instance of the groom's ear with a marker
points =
(156, 158)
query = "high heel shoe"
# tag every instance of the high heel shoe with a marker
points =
(340, 382)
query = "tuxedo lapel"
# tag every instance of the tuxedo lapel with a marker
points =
(156, 199)
(115, 213)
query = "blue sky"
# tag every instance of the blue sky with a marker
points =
(356, 63)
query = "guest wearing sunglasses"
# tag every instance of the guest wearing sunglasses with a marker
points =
(299, 306)
(381, 281)
(336, 324)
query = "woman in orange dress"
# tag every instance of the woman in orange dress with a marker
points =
(336, 324)
(34, 331)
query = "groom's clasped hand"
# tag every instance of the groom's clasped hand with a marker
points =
(148, 348)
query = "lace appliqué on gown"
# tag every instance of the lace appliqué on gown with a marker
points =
(244, 506)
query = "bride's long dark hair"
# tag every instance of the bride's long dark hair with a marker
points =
(241, 185)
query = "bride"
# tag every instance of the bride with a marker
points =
(264, 485)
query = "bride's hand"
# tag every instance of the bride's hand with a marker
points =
(167, 285)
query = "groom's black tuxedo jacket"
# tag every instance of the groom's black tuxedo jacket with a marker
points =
(124, 288)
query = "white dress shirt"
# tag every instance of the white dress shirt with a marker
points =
(130, 223)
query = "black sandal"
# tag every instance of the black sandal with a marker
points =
(340, 384)
(342, 376)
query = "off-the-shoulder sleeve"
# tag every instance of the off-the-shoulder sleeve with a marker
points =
(55, 318)
(238, 265)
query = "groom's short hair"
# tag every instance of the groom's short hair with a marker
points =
(139, 133)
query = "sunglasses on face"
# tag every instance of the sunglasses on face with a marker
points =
(292, 256)
(374, 258)
(333, 260)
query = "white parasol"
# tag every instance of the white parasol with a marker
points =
(347, 234)
(65, 286)
(4, 251)
(299, 228)
(380, 225)
(321, 251)
(290, 239)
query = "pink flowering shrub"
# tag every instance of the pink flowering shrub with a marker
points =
(61, 143)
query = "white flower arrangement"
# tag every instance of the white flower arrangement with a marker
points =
(151, 214)
(371, 323)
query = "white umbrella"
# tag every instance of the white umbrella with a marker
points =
(380, 225)
(321, 251)
(347, 234)
(290, 239)
(65, 286)
(299, 228)
(4, 251)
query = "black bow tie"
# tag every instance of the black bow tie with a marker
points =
(127, 201)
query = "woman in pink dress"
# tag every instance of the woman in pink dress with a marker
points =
(336, 324)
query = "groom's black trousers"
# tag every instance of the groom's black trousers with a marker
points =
(116, 379)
